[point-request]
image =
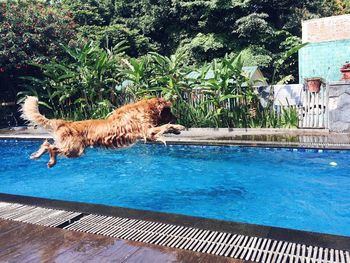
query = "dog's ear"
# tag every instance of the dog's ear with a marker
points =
(162, 103)
(168, 103)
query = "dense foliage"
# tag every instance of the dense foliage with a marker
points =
(95, 80)
(31, 30)
(210, 29)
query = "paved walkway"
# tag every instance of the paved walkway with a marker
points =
(21, 242)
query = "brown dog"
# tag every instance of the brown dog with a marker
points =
(124, 127)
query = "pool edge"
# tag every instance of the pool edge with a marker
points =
(186, 141)
(276, 233)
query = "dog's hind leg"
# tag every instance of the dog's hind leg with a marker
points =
(53, 154)
(43, 149)
(46, 147)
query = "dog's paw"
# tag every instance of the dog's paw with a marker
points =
(50, 164)
(176, 129)
(179, 127)
(34, 156)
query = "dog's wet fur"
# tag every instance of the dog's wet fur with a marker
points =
(147, 119)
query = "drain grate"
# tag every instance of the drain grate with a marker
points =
(194, 239)
(206, 241)
(36, 215)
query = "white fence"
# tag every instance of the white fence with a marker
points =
(315, 111)
(312, 107)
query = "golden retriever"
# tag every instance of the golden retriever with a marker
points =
(122, 128)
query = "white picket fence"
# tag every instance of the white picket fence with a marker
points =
(314, 112)
(312, 107)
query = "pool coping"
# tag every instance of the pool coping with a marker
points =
(270, 144)
(275, 233)
(243, 143)
(315, 138)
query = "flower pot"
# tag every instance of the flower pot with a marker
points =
(314, 84)
(345, 73)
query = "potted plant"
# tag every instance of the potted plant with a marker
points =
(314, 84)
(345, 71)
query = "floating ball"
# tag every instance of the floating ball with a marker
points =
(333, 164)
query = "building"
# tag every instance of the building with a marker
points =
(328, 49)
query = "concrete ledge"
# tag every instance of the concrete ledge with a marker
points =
(305, 138)
(230, 132)
(31, 132)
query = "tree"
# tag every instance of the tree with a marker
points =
(205, 47)
(109, 36)
(254, 28)
(91, 12)
(336, 7)
(30, 32)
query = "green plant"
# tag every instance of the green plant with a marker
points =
(109, 36)
(289, 117)
(82, 87)
(280, 62)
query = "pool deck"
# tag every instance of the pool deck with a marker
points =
(22, 242)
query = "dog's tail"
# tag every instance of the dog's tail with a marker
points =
(30, 112)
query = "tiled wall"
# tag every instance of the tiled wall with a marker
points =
(328, 48)
(323, 59)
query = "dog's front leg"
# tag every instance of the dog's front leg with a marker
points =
(156, 133)
(174, 128)
(43, 149)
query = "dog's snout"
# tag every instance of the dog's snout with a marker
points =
(166, 116)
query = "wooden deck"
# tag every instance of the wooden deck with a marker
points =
(21, 242)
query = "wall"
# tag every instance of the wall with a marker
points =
(288, 95)
(339, 106)
(328, 48)
(326, 29)
(323, 59)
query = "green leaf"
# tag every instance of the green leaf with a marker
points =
(45, 104)
(222, 98)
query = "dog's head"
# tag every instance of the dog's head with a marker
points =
(163, 111)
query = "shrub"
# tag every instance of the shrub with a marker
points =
(95, 80)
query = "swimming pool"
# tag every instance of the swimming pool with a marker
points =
(297, 189)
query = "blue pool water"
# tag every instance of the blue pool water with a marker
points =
(275, 187)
